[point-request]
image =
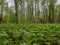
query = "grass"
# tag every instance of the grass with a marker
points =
(29, 34)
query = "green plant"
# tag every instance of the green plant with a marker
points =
(29, 34)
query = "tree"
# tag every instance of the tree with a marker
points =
(51, 10)
(1, 12)
(44, 4)
(58, 12)
(16, 10)
(30, 11)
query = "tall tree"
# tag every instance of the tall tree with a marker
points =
(16, 10)
(45, 9)
(1, 8)
(58, 12)
(51, 10)
(30, 11)
(38, 11)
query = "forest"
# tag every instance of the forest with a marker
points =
(29, 22)
(30, 11)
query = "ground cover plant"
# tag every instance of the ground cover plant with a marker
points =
(29, 34)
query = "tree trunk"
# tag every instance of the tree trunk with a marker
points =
(1, 14)
(16, 10)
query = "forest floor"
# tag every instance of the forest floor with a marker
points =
(29, 34)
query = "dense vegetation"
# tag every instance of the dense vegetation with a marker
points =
(29, 34)
(29, 11)
(21, 22)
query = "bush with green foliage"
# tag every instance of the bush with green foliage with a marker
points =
(29, 34)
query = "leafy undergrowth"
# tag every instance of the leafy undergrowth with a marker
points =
(29, 34)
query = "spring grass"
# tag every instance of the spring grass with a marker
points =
(29, 34)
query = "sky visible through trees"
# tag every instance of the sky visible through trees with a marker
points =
(29, 11)
(11, 2)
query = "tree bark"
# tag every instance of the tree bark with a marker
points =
(16, 10)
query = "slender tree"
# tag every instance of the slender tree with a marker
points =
(51, 10)
(1, 12)
(16, 10)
